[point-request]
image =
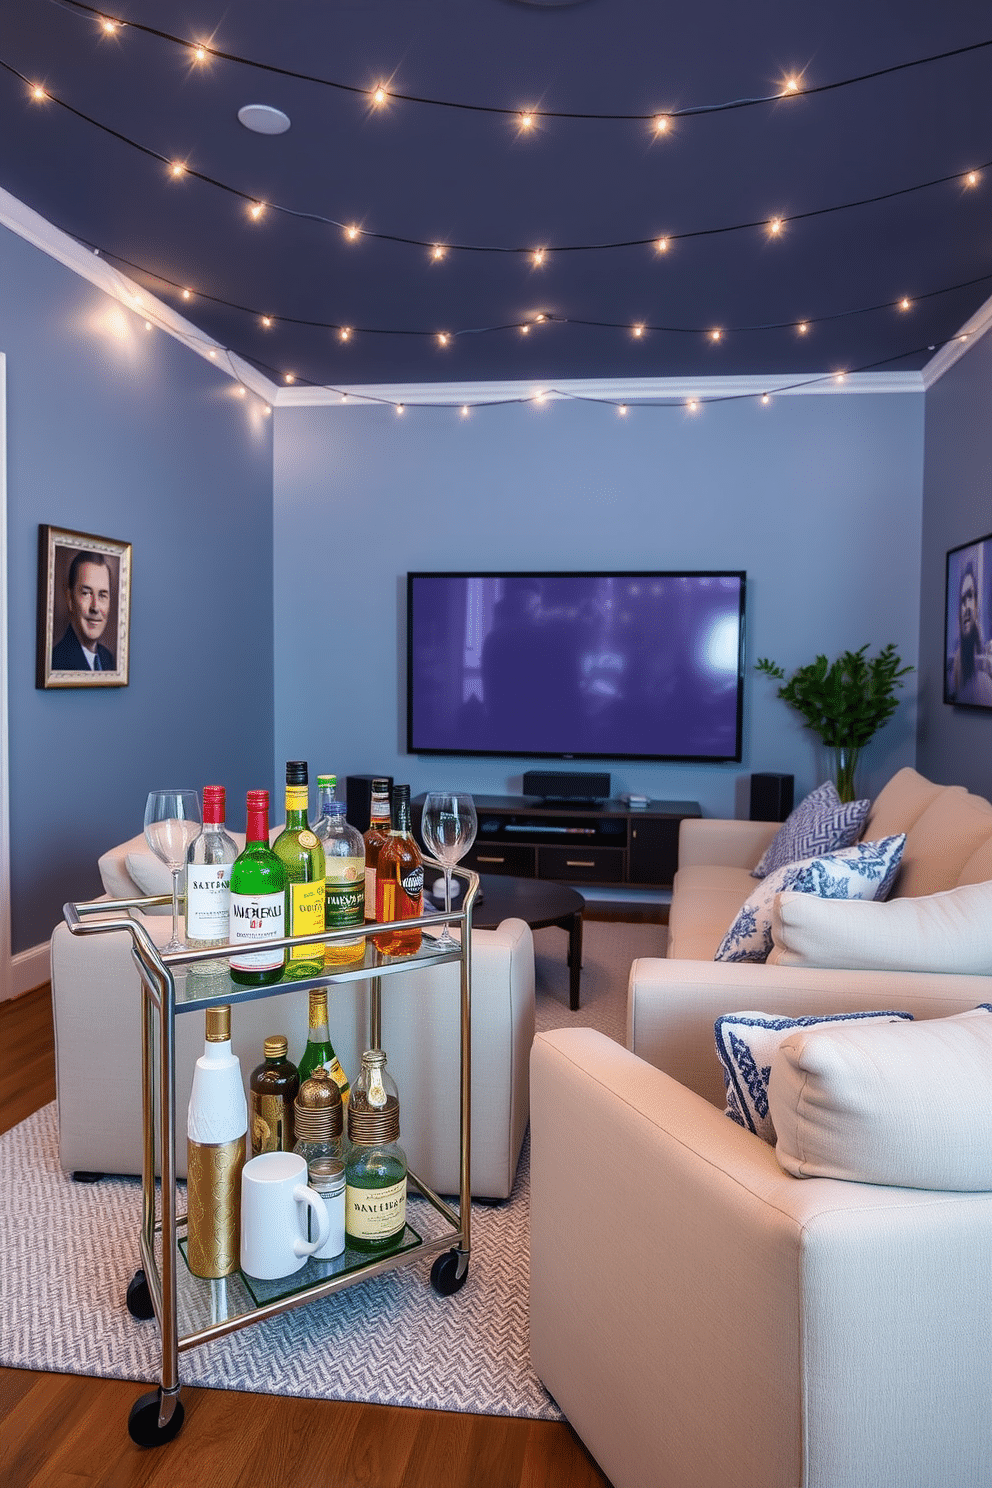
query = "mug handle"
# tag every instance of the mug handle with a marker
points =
(306, 1195)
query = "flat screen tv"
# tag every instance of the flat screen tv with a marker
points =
(576, 665)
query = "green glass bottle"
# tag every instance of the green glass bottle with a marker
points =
(319, 1049)
(376, 1169)
(258, 900)
(301, 855)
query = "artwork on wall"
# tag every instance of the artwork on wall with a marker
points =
(84, 609)
(967, 615)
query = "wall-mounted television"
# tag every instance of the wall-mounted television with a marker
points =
(576, 665)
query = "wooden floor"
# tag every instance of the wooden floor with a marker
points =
(58, 1430)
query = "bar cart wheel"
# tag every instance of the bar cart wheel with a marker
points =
(139, 1298)
(142, 1424)
(449, 1273)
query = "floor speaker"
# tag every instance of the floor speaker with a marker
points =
(771, 797)
(358, 798)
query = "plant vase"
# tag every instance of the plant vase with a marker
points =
(846, 758)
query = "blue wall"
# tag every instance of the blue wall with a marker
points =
(955, 744)
(124, 433)
(818, 498)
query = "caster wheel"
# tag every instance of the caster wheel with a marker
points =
(139, 1298)
(142, 1423)
(444, 1274)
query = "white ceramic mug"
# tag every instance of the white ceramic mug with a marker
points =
(275, 1198)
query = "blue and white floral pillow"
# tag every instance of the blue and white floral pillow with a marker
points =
(747, 1044)
(820, 824)
(865, 871)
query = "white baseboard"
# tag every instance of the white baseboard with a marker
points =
(28, 969)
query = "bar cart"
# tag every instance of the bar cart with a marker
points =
(190, 1310)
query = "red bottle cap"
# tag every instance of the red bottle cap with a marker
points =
(258, 816)
(214, 804)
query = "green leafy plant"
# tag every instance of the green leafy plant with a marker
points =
(845, 702)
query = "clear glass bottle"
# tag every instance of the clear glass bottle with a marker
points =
(272, 1088)
(258, 900)
(209, 860)
(376, 1166)
(375, 836)
(319, 1050)
(399, 881)
(301, 855)
(344, 876)
(216, 1129)
(318, 1114)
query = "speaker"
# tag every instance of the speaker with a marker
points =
(567, 785)
(358, 798)
(771, 797)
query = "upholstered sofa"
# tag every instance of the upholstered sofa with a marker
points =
(96, 1002)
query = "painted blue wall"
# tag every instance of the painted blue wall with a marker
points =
(818, 498)
(126, 434)
(955, 744)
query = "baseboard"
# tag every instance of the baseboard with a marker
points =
(28, 969)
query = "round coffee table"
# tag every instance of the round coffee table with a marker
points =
(539, 903)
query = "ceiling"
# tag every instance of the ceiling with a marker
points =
(94, 156)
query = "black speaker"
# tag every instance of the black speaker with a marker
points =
(358, 798)
(567, 785)
(771, 797)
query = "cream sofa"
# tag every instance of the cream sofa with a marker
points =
(96, 1002)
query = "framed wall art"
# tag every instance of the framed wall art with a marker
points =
(967, 616)
(84, 609)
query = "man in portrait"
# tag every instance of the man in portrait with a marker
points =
(969, 669)
(87, 597)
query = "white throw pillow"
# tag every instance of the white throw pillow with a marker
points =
(864, 871)
(150, 873)
(951, 932)
(747, 1043)
(821, 823)
(906, 1104)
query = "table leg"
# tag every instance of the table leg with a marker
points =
(574, 959)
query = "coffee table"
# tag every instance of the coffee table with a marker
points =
(539, 903)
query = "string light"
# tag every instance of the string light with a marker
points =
(351, 232)
(400, 408)
(108, 25)
(971, 179)
(177, 169)
(693, 405)
(199, 54)
(525, 329)
(266, 322)
(255, 210)
(538, 256)
(344, 334)
(765, 398)
(716, 334)
(464, 410)
(443, 338)
(775, 226)
(791, 85)
(289, 377)
(187, 294)
(661, 124)
(905, 303)
(379, 96)
(637, 330)
(839, 376)
(803, 327)
(526, 121)
(622, 410)
(662, 245)
(38, 93)
(438, 252)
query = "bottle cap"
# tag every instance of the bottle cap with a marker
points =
(214, 802)
(326, 1173)
(276, 1046)
(381, 787)
(258, 800)
(219, 1024)
(401, 793)
(328, 780)
(296, 772)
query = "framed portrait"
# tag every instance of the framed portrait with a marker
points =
(84, 609)
(967, 618)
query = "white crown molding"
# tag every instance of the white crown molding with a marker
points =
(962, 343)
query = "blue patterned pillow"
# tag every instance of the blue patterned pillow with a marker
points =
(820, 824)
(864, 871)
(747, 1043)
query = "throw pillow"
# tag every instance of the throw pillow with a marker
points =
(820, 824)
(864, 871)
(908, 1104)
(748, 1042)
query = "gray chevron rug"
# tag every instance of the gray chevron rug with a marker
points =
(70, 1250)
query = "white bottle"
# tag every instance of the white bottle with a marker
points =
(208, 876)
(216, 1141)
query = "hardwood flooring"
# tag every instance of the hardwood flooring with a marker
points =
(70, 1431)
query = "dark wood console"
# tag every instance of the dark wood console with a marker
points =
(603, 842)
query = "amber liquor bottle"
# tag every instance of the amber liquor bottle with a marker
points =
(399, 881)
(375, 838)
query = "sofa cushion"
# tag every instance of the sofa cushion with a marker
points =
(746, 1044)
(820, 824)
(907, 1104)
(978, 868)
(864, 871)
(902, 801)
(948, 932)
(941, 841)
(705, 899)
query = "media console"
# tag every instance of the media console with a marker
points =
(603, 842)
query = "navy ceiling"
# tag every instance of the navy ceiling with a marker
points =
(134, 101)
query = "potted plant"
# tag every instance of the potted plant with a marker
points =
(845, 702)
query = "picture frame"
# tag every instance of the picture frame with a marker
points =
(84, 609)
(967, 614)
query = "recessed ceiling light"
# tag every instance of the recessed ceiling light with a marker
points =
(262, 118)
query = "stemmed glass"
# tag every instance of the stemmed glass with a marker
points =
(172, 820)
(448, 825)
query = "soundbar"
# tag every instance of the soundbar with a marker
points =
(567, 785)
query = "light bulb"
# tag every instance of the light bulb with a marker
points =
(240, 390)
(289, 377)
(538, 257)
(622, 410)
(539, 397)
(637, 330)
(199, 54)
(108, 25)
(400, 408)
(775, 226)
(765, 398)
(661, 124)
(38, 93)
(267, 321)
(351, 232)
(662, 245)
(148, 326)
(344, 334)
(379, 96)
(187, 294)
(256, 209)
(464, 410)
(791, 85)
(438, 252)
(266, 408)
(715, 334)
(905, 303)
(802, 327)
(839, 376)
(971, 179)
(212, 353)
(692, 405)
(443, 338)
(526, 121)
(525, 329)
(177, 168)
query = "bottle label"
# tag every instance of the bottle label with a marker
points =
(306, 916)
(345, 893)
(208, 901)
(413, 882)
(271, 1124)
(213, 1207)
(257, 917)
(375, 1213)
(369, 893)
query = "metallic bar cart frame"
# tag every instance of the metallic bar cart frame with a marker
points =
(157, 1416)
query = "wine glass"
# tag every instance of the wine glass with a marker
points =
(172, 820)
(448, 825)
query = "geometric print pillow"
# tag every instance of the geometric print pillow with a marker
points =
(747, 1043)
(865, 871)
(820, 824)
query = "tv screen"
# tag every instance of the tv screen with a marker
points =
(576, 665)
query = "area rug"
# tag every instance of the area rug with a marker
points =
(70, 1250)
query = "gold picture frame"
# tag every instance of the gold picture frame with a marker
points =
(84, 609)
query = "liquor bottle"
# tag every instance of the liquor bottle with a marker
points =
(399, 881)
(302, 856)
(258, 900)
(216, 1128)
(208, 877)
(376, 1168)
(344, 880)
(376, 835)
(319, 1049)
(273, 1087)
